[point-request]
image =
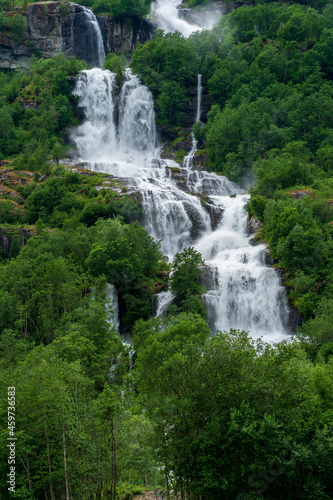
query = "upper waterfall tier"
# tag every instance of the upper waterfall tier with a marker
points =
(195, 208)
(167, 17)
(170, 16)
(72, 29)
(94, 37)
(99, 138)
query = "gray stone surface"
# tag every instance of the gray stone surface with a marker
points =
(55, 27)
(123, 34)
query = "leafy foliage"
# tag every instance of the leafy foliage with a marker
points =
(117, 8)
(187, 267)
(223, 416)
(46, 95)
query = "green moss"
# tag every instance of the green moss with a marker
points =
(177, 140)
(180, 155)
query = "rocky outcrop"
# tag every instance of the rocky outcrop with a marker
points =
(14, 53)
(151, 495)
(300, 193)
(200, 159)
(58, 27)
(191, 106)
(6, 237)
(208, 278)
(253, 225)
(123, 34)
(215, 212)
(295, 319)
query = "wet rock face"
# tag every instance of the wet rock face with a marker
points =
(14, 54)
(208, 278)
(215, 212)
(78, 39)
(55, 27)
(253, 225)
(6, 239)
(45, 21)
(191, 106)
(295, 319)
(122, 35)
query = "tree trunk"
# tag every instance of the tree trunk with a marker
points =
(48, 456)
(113, 462)
(65, 458)
(167, 485)
(98, 493)
(27, 469)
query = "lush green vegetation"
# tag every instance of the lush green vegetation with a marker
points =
(35, 106)
(212, 418)
(108, 242)
(116, 8)
(57, 345)
(235, 419)
(184, 282)
(15, 24)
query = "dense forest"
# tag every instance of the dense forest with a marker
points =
(204, 417)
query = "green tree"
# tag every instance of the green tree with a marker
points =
(187, 267)
(129, 259)
(7, 131)
(171, 102)
(116, 64)
(118, 8)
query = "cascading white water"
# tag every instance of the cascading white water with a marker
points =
(97, 139)
(169, 17)
(137, 118)
(94, 88)
(172, 216)
(199, 94)
(166, 13)
(188, 160)
(113, 306)
(245, 293)
(98, 40)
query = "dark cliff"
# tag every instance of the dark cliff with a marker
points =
(123, 34)
(55, 27)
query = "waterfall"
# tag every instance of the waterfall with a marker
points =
(188, 160)
(113, 309)
(244, 293)
(98, 138)
(137, 118)
(199, 93)
(95, 43)
(95, 91)
(175, 217)
(169, 17)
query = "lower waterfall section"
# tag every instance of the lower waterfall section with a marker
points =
(244, 293)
